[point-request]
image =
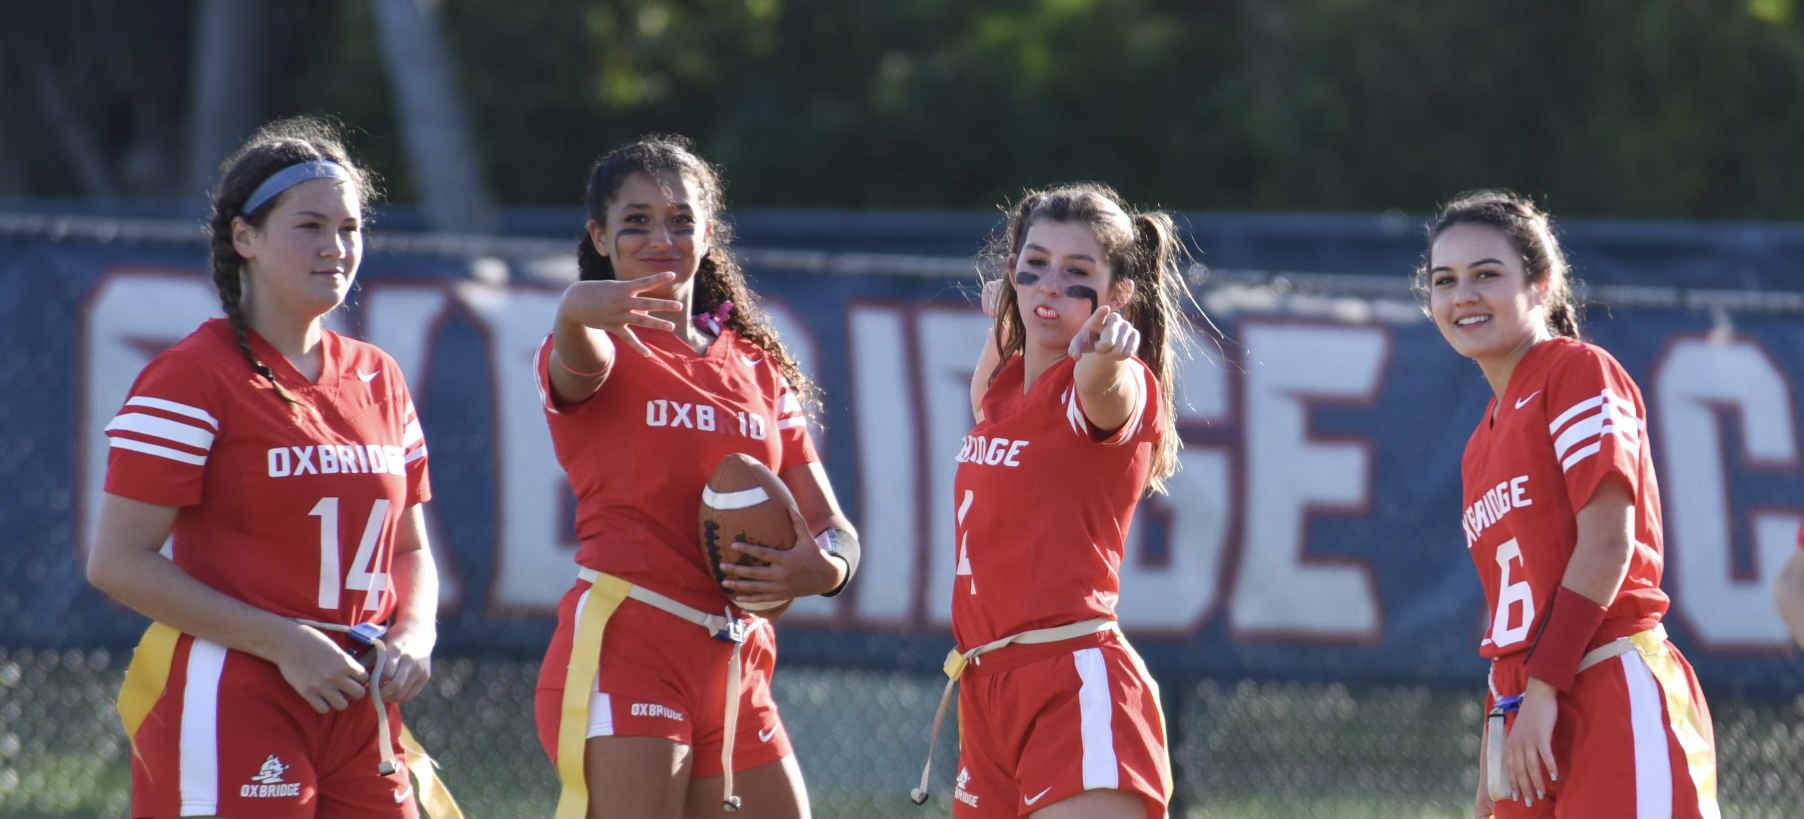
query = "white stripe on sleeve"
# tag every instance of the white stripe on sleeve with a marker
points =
(1579, 431)
(174, 432)
(541, 376)
(159, 451)
(171, 406)
(412, 434)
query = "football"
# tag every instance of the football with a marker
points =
(745, 501)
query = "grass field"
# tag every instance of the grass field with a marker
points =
(1242, 749)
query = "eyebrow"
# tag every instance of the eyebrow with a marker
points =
(1484, 261)
(645, 206)
(1084, 256)
(314, 214)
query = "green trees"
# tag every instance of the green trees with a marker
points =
(1684, 109)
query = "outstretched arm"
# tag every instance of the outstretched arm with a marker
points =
(582, 348)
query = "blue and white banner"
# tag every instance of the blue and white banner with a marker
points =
(1313, 531)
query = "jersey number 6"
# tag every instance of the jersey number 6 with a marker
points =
(1508, 595)
(359, 578)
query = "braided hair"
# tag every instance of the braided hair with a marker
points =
(273, 147)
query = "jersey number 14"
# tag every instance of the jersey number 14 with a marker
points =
(359, 578)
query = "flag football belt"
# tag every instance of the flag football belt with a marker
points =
(1494, 723)
(148, 675)
(955, 668)
(433, 793)
(605, 595)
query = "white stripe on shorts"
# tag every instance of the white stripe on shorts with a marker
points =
(199, 755)
(601, 716)
(1653, 763)
(601, 709)
(1097, 714)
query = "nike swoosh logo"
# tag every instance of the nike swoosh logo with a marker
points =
(367, 377)
(1521, 402)
(766, 734)
(1036, 797)
(404, 795)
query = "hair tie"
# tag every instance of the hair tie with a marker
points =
(713, 322)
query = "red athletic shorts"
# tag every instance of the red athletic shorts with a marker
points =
(229, 737)
(1041, 723)
(662, 676)
(1633, 738)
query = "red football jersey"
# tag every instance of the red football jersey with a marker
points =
(1044, 501)
(639, 451)
(1570, 418)
(290, 510)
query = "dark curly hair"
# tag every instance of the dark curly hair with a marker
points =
(720, 279)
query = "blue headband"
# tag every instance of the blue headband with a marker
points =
(291, 176)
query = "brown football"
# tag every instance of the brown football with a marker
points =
(745, 501)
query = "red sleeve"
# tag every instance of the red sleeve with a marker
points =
(413, 442)
(1142, 420)
(792, 428)
(159, 442)
(1598, 424)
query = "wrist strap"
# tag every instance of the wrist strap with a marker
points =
(1571, 623)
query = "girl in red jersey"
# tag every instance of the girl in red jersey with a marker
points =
(285, 466)
(1072, 397)
(654, 698)
(1603, 716)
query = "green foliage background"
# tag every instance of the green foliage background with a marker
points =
(1611, 108)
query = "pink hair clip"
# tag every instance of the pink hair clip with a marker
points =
(713, 322)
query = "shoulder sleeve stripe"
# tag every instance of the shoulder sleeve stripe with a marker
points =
(789, 405)
(159, 451)
(171, 406)
(416, 454)
(792, 422)
(540, 361)
(164, 429)
(1074, 415)
(412, 435)
(1579, 431)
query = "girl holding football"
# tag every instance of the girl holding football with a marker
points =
(654, 698)
(1603, 716)
(1058, 717)
(284, 465)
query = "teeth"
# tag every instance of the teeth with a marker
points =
(1470, 320)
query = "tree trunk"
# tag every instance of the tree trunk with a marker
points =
(229, 45)
(438, 146)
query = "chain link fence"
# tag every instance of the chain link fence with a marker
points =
(1241, 748)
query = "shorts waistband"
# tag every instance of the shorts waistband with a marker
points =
(1610, 650)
